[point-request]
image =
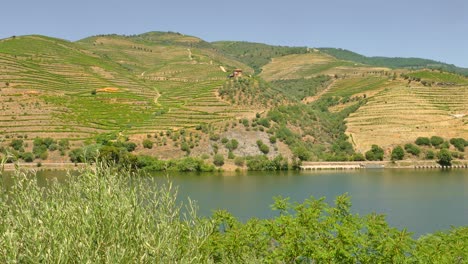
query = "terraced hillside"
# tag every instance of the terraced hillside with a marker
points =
(312, 64)
(162, 87)
(399, 114)
(52, 87)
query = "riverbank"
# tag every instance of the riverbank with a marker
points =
(345, 165)
(354, 165)
(44, 166)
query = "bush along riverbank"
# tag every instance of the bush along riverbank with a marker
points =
(97, 216)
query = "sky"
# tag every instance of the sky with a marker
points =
(432, 29)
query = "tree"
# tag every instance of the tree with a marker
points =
(445, 157)
(302, 153)
(398, 153)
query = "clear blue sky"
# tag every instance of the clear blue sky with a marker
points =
(434, 29)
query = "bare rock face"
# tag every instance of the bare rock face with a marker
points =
(248, 142)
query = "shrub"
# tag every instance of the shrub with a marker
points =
(262, 163)
(44, 155)
(27, 157)
(185, 147)
(129, 146)
(457, 155)
(436, 141)
(459, 143)
(398, 153)
(64, 144)
(53, 147)
(147, 143)
(214, 137)
(302, 153)
(265, 122)
(412, 149)
(423, 141)
(232, 144)
(445, 157)
(17, 144)
(430, 155)
(224, 140)
(272, 139)
(218, 160)
(76, 155)
(239, 161)
(358, 157)
(375, 153)
(264, 149)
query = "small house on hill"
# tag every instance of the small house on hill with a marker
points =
(236, 73)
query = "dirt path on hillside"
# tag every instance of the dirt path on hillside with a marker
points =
(156, 98)
(314, 98)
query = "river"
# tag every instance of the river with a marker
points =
(423, 201)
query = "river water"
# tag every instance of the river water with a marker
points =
(423, 201)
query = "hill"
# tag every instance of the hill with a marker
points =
(256, 55)
(168, 95)
(410, 63)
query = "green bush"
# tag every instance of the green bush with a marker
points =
(262, 163)
(430, 155)
(265, 122)
(459, 143)
(445, 157)
(147, 143)
(214, 137)
(423, 141)
(239, 161)
(185, 147)
(27, 157)
(436, 141)
(17, 144)
(232, 144)
(272, 139)
(218, 160)
(358, 157)
(398, 153)
(412, 149)
(375, 153)
(302, 153)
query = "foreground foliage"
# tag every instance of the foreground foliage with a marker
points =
(103, 215)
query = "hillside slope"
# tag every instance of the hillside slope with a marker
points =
(173, 91)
